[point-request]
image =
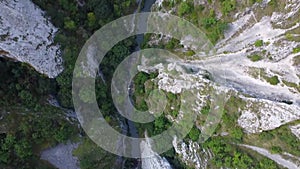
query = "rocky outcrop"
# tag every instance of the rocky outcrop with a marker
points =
(192, 154)
(27, 36)
(262, 115)
(268, 106)
(296, 130)
(61, 156)
(150, 159)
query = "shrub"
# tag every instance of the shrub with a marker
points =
(237, 133)
(194, 134)
(259, 43)
(228, 6)
(273, 80)
(273, 3)
(184, 8)
(266, 136)
(276, 150)
(69, 24)
(255, 58)
(91, 19)
(174, 113)
(289, 36)
(267, 164)
(205, 110)
(190, 53)
(209, 22)
(296, 50)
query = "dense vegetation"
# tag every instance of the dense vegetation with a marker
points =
(28, 123)
(91, 156)
(232, 156)
(33, 125)
(76, 24)
(24, 91)
(277, 141)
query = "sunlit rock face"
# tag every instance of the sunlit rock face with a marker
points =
(152, 160)
(27, 36)
(192, 154)
(296, 130)
(268, 105)
(270, 115)
(61, 156)
(271, 105)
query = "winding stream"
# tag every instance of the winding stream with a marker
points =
(129, 127)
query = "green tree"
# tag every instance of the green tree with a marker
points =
(228, 6)
(296, 50)
(237, 133)
(27, 98)
(267, 164)
(194, 134)
(23, 149)
(69, 24)
(184, 8)
(259, 43)
(273, 80)
(276, 150)
(91, 19)
(103, 9)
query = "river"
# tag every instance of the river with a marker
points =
(156, 161)
(128, 126)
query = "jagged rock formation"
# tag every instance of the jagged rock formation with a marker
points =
(271, 105)
(262, 115)
(27, 36)
(296, 130)
(152, 160)
(61, 156)
(192, 154)
(268, 106)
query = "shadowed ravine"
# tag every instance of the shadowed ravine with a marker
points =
(128, 126)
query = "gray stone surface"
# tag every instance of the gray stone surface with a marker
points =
(27, 36)
(61, 156)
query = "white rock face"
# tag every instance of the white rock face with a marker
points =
(176, 83)
(61, 156)
(262, 115)
(296, 130)
(243, 32)
(27, 36)
(155, 161)
(264, 111)
(192, 154)
(267, 106)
